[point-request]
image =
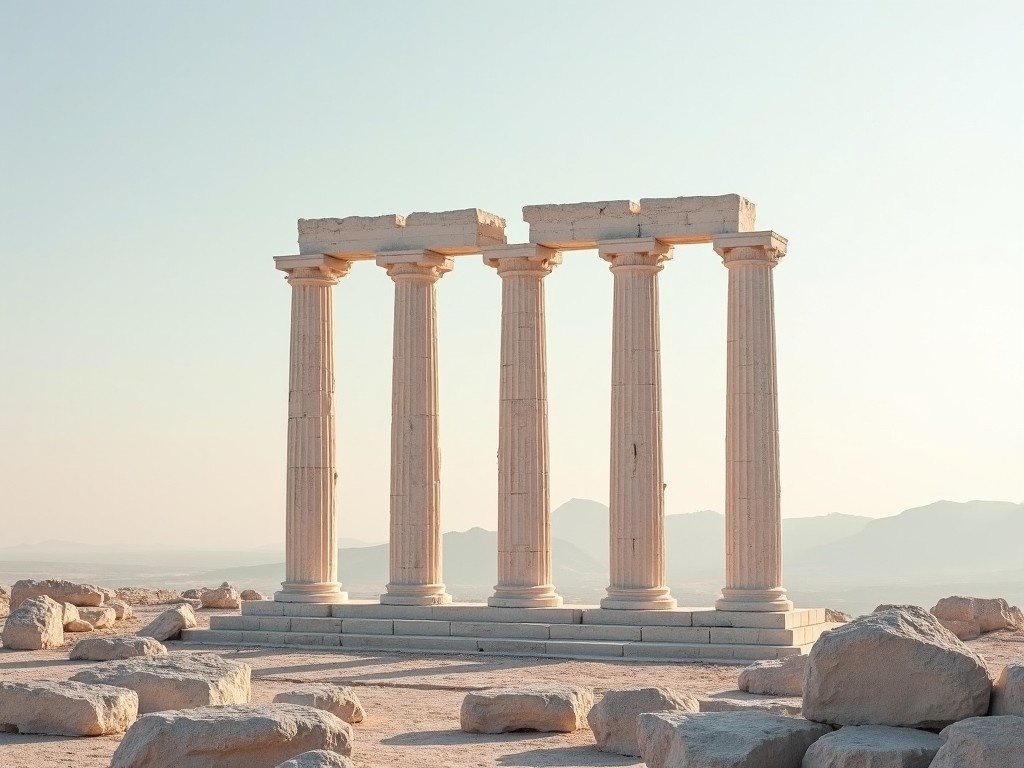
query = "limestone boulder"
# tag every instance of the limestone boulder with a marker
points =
(122, 610)
(964, 630)
(837, 617)
(251, 594)
(1008, 691)
(168, 625)
(224, 597)
(340, 701)
(988, 614)
(873, 746)
(230, 737)
(66, 708)
(898, 667)
(146, 596)
(776, 677)
(35, 624)
(193, 594)
(560, 708)
(101, 617)
(78, 626)
(991, 742)
(175, 682)
(613, 718)
(116, 648)
(5, 601)
(749, 739)
(318, 758)
(193, 603)
(56, 589)
(69, 614)
(741, 701)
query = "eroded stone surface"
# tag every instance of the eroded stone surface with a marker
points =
(613, 718)
(340, 701)
(230, 737)
(115, 648)
(224, 597)
(35, 624)
(121, 608)
(176, 682)
(318, 758)
(251, 594)
(992, 742)
(987, 614)
(57, 589)
(898, 667)
(750, 739)
(742, 701)
(77, 625)
(101, 617)
(873, 746)
(1008, 691)
(66, 708)
(776, 677)
(5, 601)
(168, 625)
(560, 708)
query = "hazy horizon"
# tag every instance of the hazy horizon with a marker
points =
(157, 157)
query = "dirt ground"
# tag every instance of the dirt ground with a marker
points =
(411, 700)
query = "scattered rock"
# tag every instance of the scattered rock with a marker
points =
(873, 746)
(78, 626)
(69, 614)
(176, 682)
(102, 617)
(224, 596)
(899, 667)
(340, 701)
(35, 624)
(1008, 691)
(168, 625)
(5, 601)
(116, 647)
(613, 718)
(121, 609)
(967, 616)
(192, 603)
(741, 701)
(147, 596)
(193, 594)
(251, 594)
(56, 589)
(66, 709)
(318, 758)
(561, 708)
(992, 742)
(777, 677)
(230, 737)
(964, 630)
(837, 617)
(716, 739)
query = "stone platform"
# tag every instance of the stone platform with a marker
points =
(581, 631)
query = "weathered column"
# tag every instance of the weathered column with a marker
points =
(524, 504)
(637, 498)
(415, 550)
(753, 523)
(311, 538)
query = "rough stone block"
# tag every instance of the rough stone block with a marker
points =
(169, 624)
(101, 617)
(58, 590)
(1008, 691)
(778, 677)
(37, 623)
(340, 701)
(66, 708)
(559, 708)
(613, 718)
(992, 742)
(873, 746)
(117, 647)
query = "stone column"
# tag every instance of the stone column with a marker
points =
(415, 551)
(524, 504)
(637, 498)
(311, 537)
(753, 523)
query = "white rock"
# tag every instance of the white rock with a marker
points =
(176, 682)
(741, 701)
(5, 601)
(193, 594)
(899, 667)
(223, 597)
(982, 742)
(121, 609)
(340, 701)
(318, 758)
(1008, 691)
(837, 617)
(69, 614)
(560, 708)
(750, 739)
(251, 594)
(66, 708)
(56, 589)
(116, 647)
(36, 624)
(989, 614)
(230, 737)
(168, 625)
(613, 718)
(873, 746)
(777, 677)
(78, 626)
(101, 617)
(964, 630)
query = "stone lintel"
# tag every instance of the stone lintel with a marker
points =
(674, 220)
(420, 256)
(526, 251)
(766, 239)
(609, 249)
(448, 232)
(311, 261)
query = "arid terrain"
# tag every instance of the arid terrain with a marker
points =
(412, 701)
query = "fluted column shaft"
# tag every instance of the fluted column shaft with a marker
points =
(311, 539)
(752, 507)
(637, 496)
(415, 548)
(524, 505)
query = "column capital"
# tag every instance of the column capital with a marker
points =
(634, 253)
(750, 248)
(312, 269)
(417, 264)
(522, 259)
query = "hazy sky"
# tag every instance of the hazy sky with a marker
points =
(156, 155)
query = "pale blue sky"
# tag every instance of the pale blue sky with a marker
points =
(155, 156)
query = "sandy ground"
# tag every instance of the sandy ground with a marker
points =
(412, 701)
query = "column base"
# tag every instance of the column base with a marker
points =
(322, 592)
(754, 600)
(543, 596)
(415, 594)
(641, 598)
